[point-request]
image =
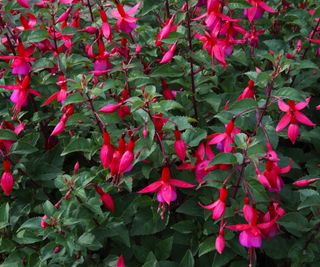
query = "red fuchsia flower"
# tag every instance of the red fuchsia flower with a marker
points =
(248, 92)
(274, 213)
(105, 28)
(7, 178)
(64, 16)
(167, 93)
(107, 150)
(43, 222)
(180, 146)
(253, 36)
(67, 112)
(165, 31)
(106, 199)
(125, 22)
(21, 62)
(165, 187)
(24, 3)
(257, 10)
(220, 242)
(101, 65)
(218, 207)
(271, 178)
(61, 96)
(292, 117)
(124, 110)
(126, 161)
(214, 46)
(5, 145)
(203, 156)
(120, 262)
(252, 233)
(169, 54)
(110, 108)
(306, 182)
(159, 122)
(114, 165)
(224, 141)
(20, 93)
(27, 23)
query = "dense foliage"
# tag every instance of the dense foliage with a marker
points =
(160, 133)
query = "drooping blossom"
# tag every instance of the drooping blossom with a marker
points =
(126, 160)
(24, 3)
(251, 233)
(220, 242)
(168, 94)
(7, 178)
(20, 93)
(165, 187)
(107, 150)
(101, 64)
(27, 23)
(225, 140)
(106, 199)
(252, 36)
(21, 62)
(270, 178)
(116, 157)
(120, 262)
(125, 22)
(159, 121)
(165, 31)
(306, 182)
(180, 146)
(64, 16)
(274, 213)
(218, 207)
(169, 54)
(105, 28)
(257, 10)
(248, 92)
(61, 95)
(67, 112)
(292, 117)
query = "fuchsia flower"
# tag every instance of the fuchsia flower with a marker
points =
(257, 10)
(24, 3)
(220, 242)
(165, 187)
(252, 233)
(271, 178)
(168, 94)
(180, 146)
(102, 64)
(106, 152)
(67, 112)
(120, 262)
(20, 93)
(61, 96)
(7, 178)
(218, 207)
(106, 29)
(114, 164)
(5, 145)
(27, 23)
(169, 54)
(224, 141)
(125, 22)
(165, 31)
(248, 92)
(43, 222)
(106, 199)
(292, 117)
(274, 213)
(126, 161)
(21, 62)
(306, 182)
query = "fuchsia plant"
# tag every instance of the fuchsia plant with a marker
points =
(125, 90)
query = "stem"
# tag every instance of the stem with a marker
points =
(193, 86)
(90, 10)
(167, 8)
(96, 116)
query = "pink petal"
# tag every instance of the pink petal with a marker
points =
(180, 148)
(293, 132)
(108, 202)
(283, 106)
(220, 244)
(110, 108)
(134, 9)
(7, 183)
(303, 118)
(151, 188)
(302, 105)
(283, 122)
(125, 162)
(24, 3)
(266, 7)
(218, 210)
(167, 193)
(248, 240)
(181, 184)
(238, 227)
(217, 138)
(120, 262)
(287, 168)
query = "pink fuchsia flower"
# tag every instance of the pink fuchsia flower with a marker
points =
(20, 93)
(67, 112)
(106, 152)
(61, 96)
(257, 10)
(168, 94)
(218, 207)
(306, 182)
(126, 161)
(101, 64)
(125, 22)
(106, 199)
(165, 187)
(180, 146)
(251, 233)
(274, 213)
(224, 141)
(105, 28)
(5, 145)
(248, 92)
(21, 62)
(27, 23)
(24, 3)
(120, 262)
(165, 31)
(7, 178)
(292, 117)
(169, 54)
(220, 242)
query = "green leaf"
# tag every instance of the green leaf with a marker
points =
(35, 36)
(33, 223)
(77, 144)
(7, 135)
(23, 148)
(184, 227)
(207, 246)
(86, 239)
(223, 158)
(4, 215)
(295, 223)
(163, 248)
(187, 260)
(73, 99)
(289, 93)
